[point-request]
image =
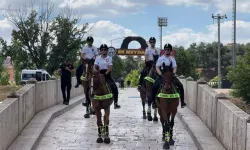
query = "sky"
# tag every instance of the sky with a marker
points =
(189, 21)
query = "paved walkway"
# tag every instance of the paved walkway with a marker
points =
(128, 131)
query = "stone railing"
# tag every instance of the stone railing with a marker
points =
(17, 112)
(228, 123)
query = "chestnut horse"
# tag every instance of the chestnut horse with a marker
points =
(146, 93)
(86, 86)
(101, 98)
(167, 102)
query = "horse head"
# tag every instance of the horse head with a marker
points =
(96, 77)
(167, 75)
(153, 73)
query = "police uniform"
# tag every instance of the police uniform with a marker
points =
(104, 64)
(171, 62)
(66, 81)
(90, 53)
(152, 55)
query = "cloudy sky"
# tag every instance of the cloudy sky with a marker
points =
(188, 20)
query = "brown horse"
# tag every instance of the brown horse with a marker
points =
(86, 86)
(101, 99)
(146, 93)
(167, 102)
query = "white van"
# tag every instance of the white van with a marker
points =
(39, 75)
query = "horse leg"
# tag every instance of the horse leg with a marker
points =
(171, 124)
(99, 125)
(84, 103)
(174, 111)
(106, 125)
(162, 123)
(143, 104)
(87, 104)
(155, 115)
(167, 131)
(149, 109)
(155, 111)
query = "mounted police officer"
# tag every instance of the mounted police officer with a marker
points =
(104, 61)
(88, 54)
(169, 61)
(151, 56)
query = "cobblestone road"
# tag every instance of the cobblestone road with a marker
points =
(128, 131)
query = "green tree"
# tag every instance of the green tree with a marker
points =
(69, 40)
(240, 77)
(133, 76)
(33, 32)
(118, 67)
(186, 62)
(42, 41)
(130, 64)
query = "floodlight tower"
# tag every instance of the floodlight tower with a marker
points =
(219, 17)
(162, 22)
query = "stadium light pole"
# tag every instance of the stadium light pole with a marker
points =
(219, 17)
(162, 22)
(234, 34)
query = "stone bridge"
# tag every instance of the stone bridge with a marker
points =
(36, 119)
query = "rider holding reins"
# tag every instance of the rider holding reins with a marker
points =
(88, 54)
(151, 56)
(104, 62)
(169, 61)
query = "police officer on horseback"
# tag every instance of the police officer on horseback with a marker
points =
(151, 56)
(88, 55)
(169, 61)
(104, 62)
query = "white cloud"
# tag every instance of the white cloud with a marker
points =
(5, 29)
(102, 31)
(185, 37)
(105, 31)
(94, 8)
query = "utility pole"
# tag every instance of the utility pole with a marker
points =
(234, 34)
(219, 17)
(162, 22)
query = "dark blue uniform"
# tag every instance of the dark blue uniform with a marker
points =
(66, 81)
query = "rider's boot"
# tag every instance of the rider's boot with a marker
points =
(77, 85)
(183, 104)
(116, 106)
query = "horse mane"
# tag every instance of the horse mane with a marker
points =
(102, 87)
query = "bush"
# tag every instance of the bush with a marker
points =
(133, 76)
(4, 77)
(240, 77)
(215, 79)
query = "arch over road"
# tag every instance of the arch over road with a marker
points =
(129, 39)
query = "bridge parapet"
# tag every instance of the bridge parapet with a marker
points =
(16, 113)
(228, 123)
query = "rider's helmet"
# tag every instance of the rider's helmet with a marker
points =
(152, 39)
(168, 47)
(90, 39)
(104, 46)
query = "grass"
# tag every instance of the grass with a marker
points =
(6, 90)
